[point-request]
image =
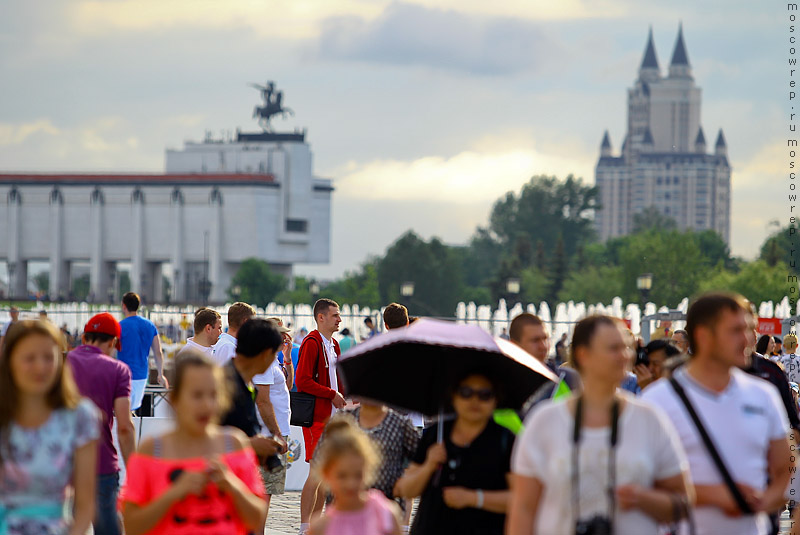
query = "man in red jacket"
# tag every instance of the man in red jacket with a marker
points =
(316, 374)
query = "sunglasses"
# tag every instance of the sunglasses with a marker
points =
(466, 392)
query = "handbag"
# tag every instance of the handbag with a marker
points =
(302, 403)
(302, 406)
(744, 507)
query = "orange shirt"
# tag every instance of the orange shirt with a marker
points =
(211, 513)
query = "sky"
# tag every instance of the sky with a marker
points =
(422, 112)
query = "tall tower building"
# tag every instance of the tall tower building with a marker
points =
(663, 164)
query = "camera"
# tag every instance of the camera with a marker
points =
(273, 463)
(642, 357)
(597, 525)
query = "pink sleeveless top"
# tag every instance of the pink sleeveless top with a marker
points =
(211, 513)
(375, 518)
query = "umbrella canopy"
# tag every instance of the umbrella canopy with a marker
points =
(415, 367)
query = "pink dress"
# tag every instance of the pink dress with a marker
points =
(375, 518)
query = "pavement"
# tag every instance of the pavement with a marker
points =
(284, 514)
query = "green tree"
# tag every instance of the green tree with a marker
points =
(593, 284)
(535, 285)
(80, 287)
(558, 272)
(652, 218)
(300, 295)
(544, 209)
(358, 287)
(42, 282)
(432, 266)
(779, 246)
(257, 283)
(757, 281)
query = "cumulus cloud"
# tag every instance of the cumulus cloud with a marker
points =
(408, 34)
(15, 134)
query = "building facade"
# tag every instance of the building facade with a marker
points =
(664, 164)
(218, 203)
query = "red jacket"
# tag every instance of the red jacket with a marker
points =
(312, 376)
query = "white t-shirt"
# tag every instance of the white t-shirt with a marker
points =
(191, 344)
(791, 366)
(742, 420)
(278, 395)
(224, 350)
(648, 450)
(330, 352)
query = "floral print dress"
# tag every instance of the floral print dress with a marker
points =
(37, 465)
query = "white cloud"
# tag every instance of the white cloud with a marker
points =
(479, 175)
(15, 134)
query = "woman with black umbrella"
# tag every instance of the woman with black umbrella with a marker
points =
(462, 481)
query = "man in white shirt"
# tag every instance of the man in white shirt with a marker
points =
(207, 328)
(225, 348)
(274, 412)
(742, 415)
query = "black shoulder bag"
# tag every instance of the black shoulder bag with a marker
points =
(302, 403)
(744, 507)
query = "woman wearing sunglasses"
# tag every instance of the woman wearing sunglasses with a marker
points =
(602, 461)
(462, 482)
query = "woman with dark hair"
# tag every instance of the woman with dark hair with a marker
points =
(48, 436)
(602, 461)
(765, 345)
(199, 478)
(463, 481)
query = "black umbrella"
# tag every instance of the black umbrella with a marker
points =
(415, 367)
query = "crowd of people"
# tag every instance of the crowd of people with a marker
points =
(690, 433)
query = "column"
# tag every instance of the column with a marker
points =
(178, 261)
(138, 277)
(97, 269)
(13, 227)
(57, 265)
(218, 286)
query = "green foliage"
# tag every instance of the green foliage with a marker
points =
(757, 281)
(652, 218)
(535, 285)
(432, 266)
(778, 248)
(300, 295)
(357, 287)
(257, 283)
(592, 285)
(42, 281)
(80, 287)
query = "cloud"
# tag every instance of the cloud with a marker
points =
(15, 134)
(409, 34)
(467, 178)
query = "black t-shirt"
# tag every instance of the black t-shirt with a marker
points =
(242, 412)
(484, 464)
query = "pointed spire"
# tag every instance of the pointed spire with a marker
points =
(679, 55)
(701, 138)
(605, 146)
(700, 142)
(721, 140)
(648, 137)
(649, 61)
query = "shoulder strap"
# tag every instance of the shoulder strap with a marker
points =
(712, 451)
(316, 362)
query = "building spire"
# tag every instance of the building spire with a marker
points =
(605, 146)
(679, 67)
(650, 61)
(720, 146)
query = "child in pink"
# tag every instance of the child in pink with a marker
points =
(346, 463)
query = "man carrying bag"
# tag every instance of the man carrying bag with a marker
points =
(316, 375)
(732, 425)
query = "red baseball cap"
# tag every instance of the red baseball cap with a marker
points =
(105, 323)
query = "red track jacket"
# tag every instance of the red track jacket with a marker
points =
(312, 375)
